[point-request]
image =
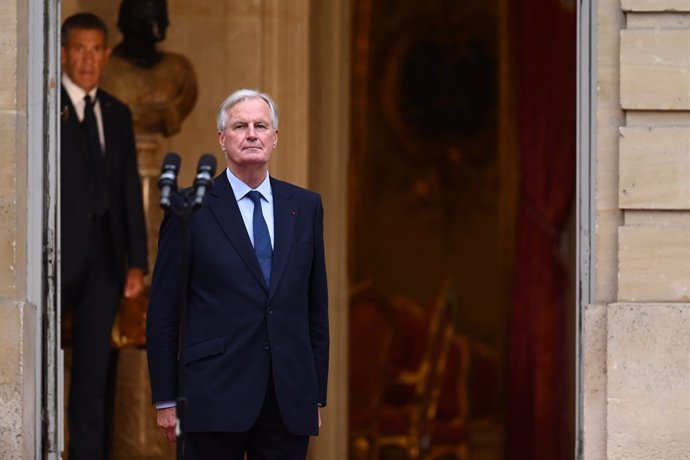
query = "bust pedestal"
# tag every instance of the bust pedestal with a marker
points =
(135, 434)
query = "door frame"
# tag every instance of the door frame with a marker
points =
(43, 220)
(42, 94)
(585, 192)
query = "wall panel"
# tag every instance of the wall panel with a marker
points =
(653, 264)
(648, 381)
(654, 69)
(655, 5)
(654, 168)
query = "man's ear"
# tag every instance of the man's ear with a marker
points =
(275, 138)
(221, 137)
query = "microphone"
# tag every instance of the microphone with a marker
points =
(204, 178)
(167, 183)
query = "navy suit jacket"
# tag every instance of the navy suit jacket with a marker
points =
(236, 329)
(78, 190)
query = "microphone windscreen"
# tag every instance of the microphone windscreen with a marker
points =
(172, 161)
(207, 162)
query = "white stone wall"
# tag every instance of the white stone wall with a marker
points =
(17, 319)
(648, 381)
(637, 335)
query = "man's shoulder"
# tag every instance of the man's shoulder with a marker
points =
(295, 190)
(111, 101)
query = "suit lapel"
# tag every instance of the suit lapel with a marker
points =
(109, 124)
(223, 205)
(284, 218)
(69, 117)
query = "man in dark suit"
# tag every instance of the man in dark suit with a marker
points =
(102, 232)
(255, 345)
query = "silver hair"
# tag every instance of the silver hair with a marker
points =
(242, 95)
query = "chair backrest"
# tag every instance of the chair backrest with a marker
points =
(449, 398)
(418, 333)
(483, 381)
(369, 345)
(420, 343)
(409, 337)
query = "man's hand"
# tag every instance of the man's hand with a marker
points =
(319, 412)
(134, 285)
(167, 422)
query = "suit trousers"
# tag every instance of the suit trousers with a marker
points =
(94, 299)
(268, 439)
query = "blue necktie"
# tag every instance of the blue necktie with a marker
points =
(262, 239)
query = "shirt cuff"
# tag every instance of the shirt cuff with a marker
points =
(165, 405)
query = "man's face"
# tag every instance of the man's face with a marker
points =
(248, 138)
(84, 56)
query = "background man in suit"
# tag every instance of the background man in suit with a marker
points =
(255, 345)
(103, 235)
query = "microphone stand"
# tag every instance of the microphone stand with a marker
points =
(182, 206)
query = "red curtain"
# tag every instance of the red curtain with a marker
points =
(544, 51)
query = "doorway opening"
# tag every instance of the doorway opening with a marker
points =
(462, 235)
(461, 195)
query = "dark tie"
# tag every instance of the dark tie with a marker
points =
(96, 157)
(262, 239)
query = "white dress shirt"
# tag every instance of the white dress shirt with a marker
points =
(76, 95)
(246, 205)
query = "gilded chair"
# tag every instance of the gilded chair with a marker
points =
(420, 336)
(370, 341)
(484, 386)
(447, 429)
